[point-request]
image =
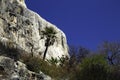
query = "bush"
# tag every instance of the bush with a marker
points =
(33, 63)
(93, 68)
(114, 73)
(53, 61)
(36, 64)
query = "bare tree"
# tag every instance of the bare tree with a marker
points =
(112, 51)
(78, 54)
(82, 53)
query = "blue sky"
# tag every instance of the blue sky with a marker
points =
(86, 23)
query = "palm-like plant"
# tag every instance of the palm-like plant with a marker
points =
(49, 33)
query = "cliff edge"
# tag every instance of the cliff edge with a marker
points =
(22, 28)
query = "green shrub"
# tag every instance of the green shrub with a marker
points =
(36, 64)
(114, 73)
(93, 68)
(53, 61)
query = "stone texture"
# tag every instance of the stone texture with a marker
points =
(21, 28)
(16, 70)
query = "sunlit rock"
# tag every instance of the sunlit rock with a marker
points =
(23, 27)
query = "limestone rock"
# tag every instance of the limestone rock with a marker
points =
(22, 27)
(11, 70)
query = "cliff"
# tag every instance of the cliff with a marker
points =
(22, 28)
(24, 33)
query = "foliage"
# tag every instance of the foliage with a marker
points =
(36, 64)
(33, 63)
(112, 51)
(79, 53)
(80, 66)
(49, 34)
(63, 60)
(53, 61)
(95, 68)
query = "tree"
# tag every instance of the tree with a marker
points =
(78, 53)
(93, 68)
(50, 34)
(82, 53)
(112, 50)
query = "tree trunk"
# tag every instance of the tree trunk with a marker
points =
(45, 52)
(110, 60)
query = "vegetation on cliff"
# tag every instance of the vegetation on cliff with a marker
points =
(83, 64)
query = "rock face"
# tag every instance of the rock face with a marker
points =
(21, 28)
(11, 70)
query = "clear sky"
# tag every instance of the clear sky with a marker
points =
(85, 22)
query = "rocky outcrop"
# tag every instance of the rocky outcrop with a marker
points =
(21, 28)
(16, 70)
